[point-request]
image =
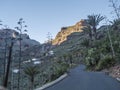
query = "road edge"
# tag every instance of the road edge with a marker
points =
(118, 79)
(53, 82)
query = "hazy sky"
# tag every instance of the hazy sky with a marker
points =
(43, 16)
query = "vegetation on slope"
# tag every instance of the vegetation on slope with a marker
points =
(99, 52)
(97, 48)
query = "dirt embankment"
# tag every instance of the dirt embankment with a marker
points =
(115, 71)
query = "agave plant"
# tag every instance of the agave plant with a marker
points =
(31, 71)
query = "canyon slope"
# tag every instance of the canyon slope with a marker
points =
(66, 31)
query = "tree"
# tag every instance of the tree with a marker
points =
(85, 42)
(93, 21)
(49, 37)
(5, 50)
(20, 28)
(88, 30)
(116, 7)
(5, 84)
(8, 67)
(31, 71)
(116, 24)
(111, 43)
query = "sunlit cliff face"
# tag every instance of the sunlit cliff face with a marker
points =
(66, 31)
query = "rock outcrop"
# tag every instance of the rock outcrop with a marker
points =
(66, 31)
(6, 36)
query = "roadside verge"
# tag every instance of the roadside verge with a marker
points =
(53, 82)
(118, 79)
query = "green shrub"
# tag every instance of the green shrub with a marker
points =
(106, 62)
(92, 58)
(90, 63)
(85, 42)
(59, 70)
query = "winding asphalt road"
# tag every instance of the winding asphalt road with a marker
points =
(78, 79)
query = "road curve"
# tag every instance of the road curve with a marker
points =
(78, 79)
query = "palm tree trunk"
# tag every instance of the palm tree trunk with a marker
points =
(111, 44)
(19, 77)
(5, 61)
(5, 53)
(95, 32)
(90, 34)
(32, 83)
(5, 84)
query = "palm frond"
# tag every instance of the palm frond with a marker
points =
(87, 29)
(31, 70)
(94, 20)
(115, 23)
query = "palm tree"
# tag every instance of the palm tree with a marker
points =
(93, 21)
(5, 83)
(5, 50)
(31, 71)
(115, 24)
(87, 30)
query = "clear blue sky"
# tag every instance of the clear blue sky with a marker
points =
(43, 16)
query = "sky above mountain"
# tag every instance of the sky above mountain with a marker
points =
(43, 16)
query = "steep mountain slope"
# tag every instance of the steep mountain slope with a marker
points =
(66, 31)
(71, 47)
(6, 38)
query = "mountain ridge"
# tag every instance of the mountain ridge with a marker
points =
(66, 31)
(6, 36)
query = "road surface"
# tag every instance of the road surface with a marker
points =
(78, 79)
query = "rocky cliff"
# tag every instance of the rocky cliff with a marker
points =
(6, 38)
(66, 31)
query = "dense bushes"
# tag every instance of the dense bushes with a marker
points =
(98, 62)
(59, 69)
(106, 62)
(92, 58)
(100, 55)
(86, 42)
